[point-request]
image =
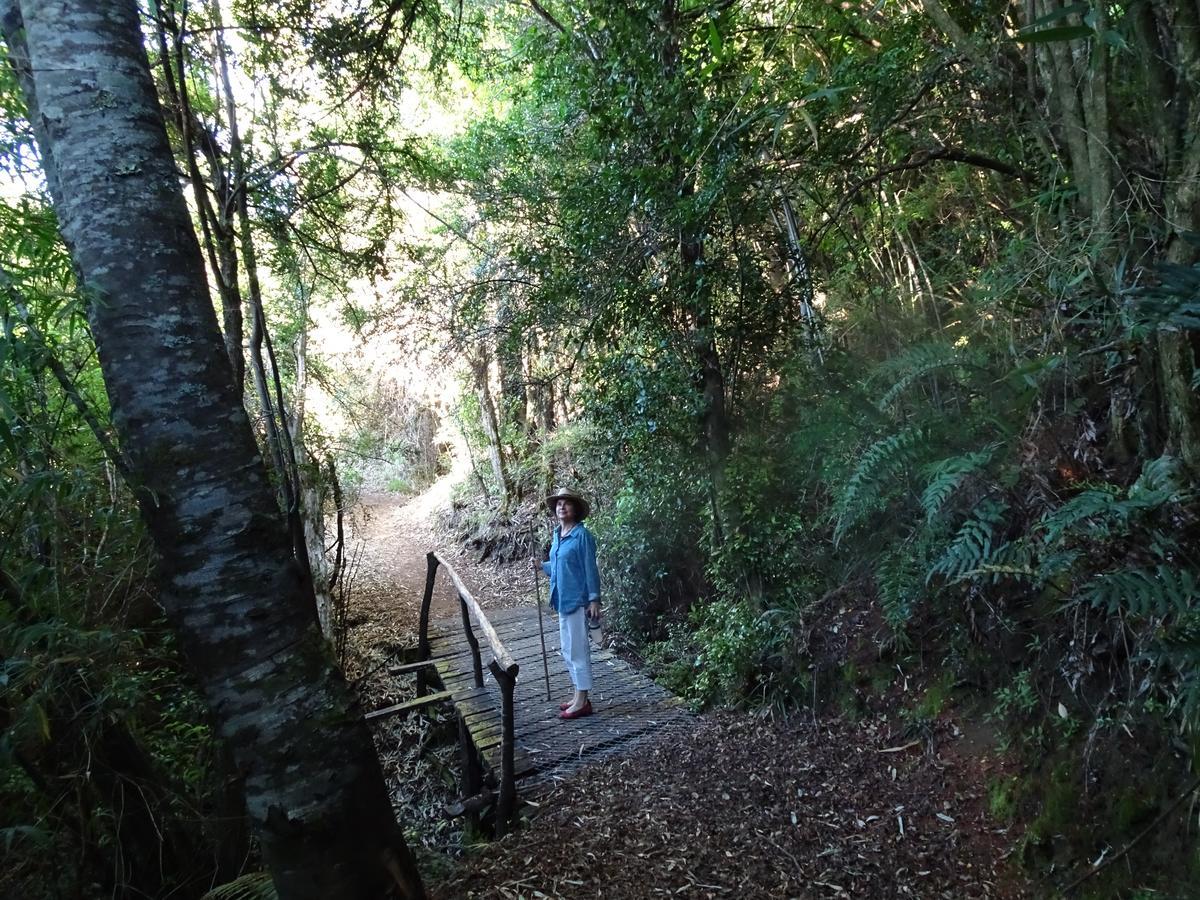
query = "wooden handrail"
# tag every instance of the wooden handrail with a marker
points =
(499, 653)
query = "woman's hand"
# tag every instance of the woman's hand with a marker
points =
(593, 610)
(535, 564)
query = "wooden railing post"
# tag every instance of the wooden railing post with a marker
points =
(423, 634)
(471, 639)
(507, 802)
(504, 669)
(472, 771)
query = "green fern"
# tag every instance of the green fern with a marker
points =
(1145, 592)
(251, 886)
(1053, 565)
(906, 369)
(1163, 480)
(882, 460)
(1173, 303)
(976, 545)
(946, 475)
(1102, 511)
(1095, 509)
(899, 586)
(1018, 567)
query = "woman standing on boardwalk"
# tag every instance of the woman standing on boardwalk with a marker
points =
(574, 593)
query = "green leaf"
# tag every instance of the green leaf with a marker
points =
(715, 43)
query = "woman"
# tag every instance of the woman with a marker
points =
(574, 593)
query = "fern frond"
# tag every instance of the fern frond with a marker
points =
(251, 886)
(1173, 303)
(1052, 565)
(975, 545)
(882, 460)
(1100, 511)
(999, 570)
(948, 474)
(915, 363)
(1094, 508)
(1163, 480)
(899, 586)
(1145, 592)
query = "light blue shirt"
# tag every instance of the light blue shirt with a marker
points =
(574, 578)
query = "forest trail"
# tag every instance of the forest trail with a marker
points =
(393, 534)
(387, 537)
(741, 807)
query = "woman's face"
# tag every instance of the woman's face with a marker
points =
(565, 510)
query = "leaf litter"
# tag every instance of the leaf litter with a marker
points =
(746, 807)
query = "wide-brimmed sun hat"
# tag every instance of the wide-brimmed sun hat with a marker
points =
(582, 507)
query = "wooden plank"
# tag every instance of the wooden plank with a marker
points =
(572, 733)
(536, 708)
(602, 660)
(523, 645)
(408, 705)
(629, 707)
(585, 748)
(410, 667)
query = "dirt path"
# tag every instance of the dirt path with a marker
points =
(389, 535)
(747, 808)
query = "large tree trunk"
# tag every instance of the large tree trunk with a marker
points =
(229, 581)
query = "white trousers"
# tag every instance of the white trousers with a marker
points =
(576, 649)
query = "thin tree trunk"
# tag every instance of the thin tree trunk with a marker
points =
(229, 580)
(510, 358)
(1065, 97)
(491, 428)
(1099, 139)
(215, 225)
(278, 434)
(958, 37)
(696, 297)
(314, 488)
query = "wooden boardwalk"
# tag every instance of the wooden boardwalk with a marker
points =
(629, 708)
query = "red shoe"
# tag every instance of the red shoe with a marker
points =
(585, 710)
(566, 705)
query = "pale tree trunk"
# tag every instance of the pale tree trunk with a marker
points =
(216, 225)
(229, 581)
(1099, 140)
(800, 274)
(541, 366)
(312, 483)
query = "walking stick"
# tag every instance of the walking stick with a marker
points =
(537, 586)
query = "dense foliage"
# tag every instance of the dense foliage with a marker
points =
(880, 313)
(872, 311)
